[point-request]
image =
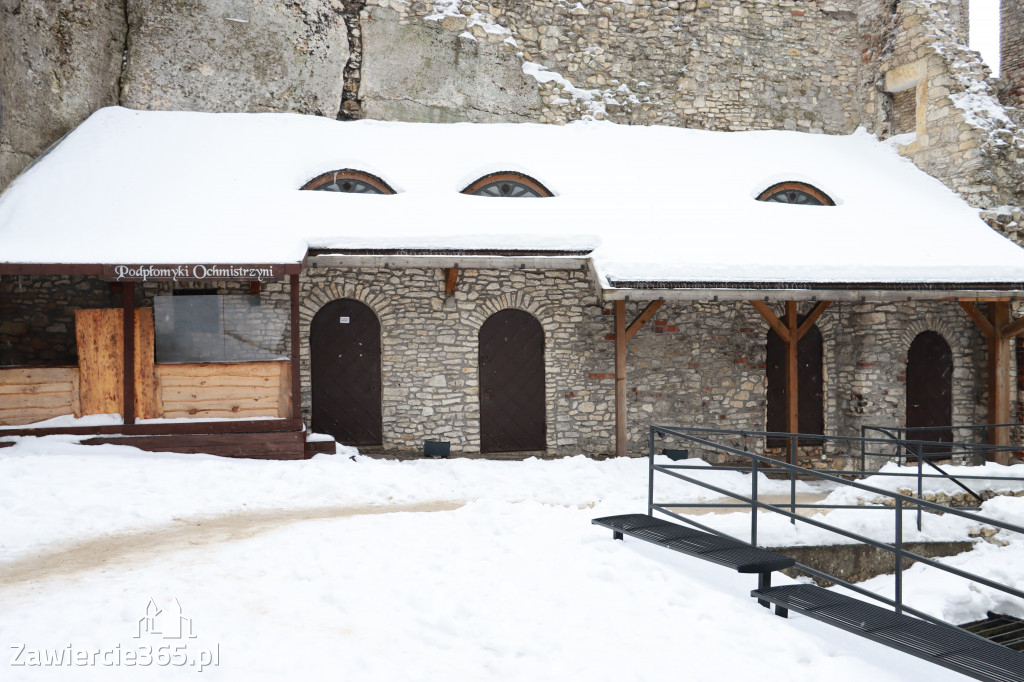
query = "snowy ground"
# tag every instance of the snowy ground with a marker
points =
(346, 567)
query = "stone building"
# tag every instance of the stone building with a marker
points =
(422, 268)
(826, 68)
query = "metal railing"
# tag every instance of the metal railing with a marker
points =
(924, 451)
(904, 446)
(697, 437)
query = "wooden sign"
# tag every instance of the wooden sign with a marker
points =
(191, 272)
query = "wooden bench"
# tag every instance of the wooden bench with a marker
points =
(724, 551)
(945, 645)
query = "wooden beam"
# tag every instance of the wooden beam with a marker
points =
(183, 427)
(999, 379)
(773, 321)
(1013, 329)
(972, 310)
(620, 378)
(451, 280)
(293, 286)
(792, 377)
(812, 317)
(128, 319)
(147, 397)
(643, 318)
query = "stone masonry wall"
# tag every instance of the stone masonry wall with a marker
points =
(429, 350)
(37, 317)
(694, 364)
(1011, 50)
(964, 137)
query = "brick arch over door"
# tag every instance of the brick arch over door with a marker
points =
(513, 415)
(930, 389)
(345, 372)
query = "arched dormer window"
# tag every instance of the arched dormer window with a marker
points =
(507, 184)
(350, 181)
(796, 193)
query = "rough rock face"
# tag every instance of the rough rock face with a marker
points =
(234, 55)
(420, 72)
(59, 62)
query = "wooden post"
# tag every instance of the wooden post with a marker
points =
(147, 397)
(128, 317)
(999, 375)
(451, 281)
(623, 334)
(792, 377)
(620, 378)
(999, 331)
(293, 285)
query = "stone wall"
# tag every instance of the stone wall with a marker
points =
(37, 317)
(694, 364)
(705, 367)
(429, 350)
(1011, 50)
(964, 137)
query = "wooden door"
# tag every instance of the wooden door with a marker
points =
(810, 386)
(930, 389)
(512, 409)
(344, 344)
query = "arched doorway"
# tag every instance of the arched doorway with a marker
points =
(930, 389)
(512, 409)
(344, 344)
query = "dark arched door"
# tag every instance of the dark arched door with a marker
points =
(512, 412)
(930, 390)
(344, 344)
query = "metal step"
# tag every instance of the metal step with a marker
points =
(724, 551)
(944, 645)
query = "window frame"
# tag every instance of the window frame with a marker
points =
(508, 176)
(348, 174)
(778, 187)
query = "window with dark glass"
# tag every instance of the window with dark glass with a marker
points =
(349, 181)
(796, 193)
(202, 325)
(507, 184)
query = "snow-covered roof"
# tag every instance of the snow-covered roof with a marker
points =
(654, 204)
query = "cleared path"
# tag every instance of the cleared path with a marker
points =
(122, 549)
